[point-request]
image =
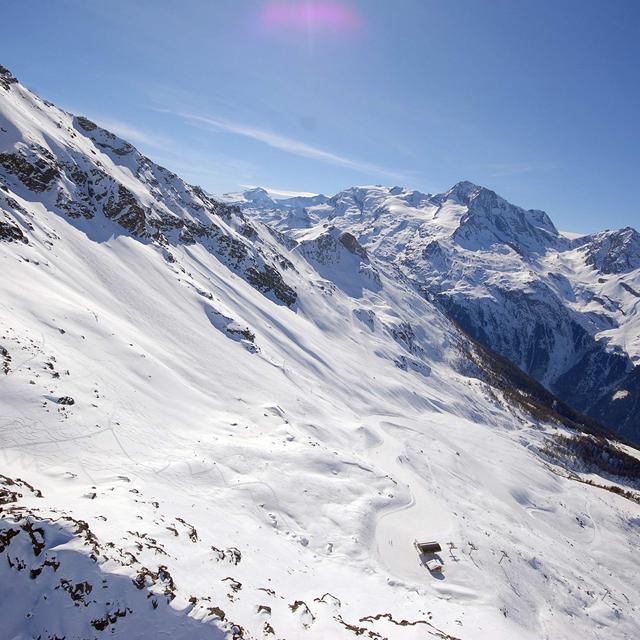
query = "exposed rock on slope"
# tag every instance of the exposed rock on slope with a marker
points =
(613, 251)
(84, 172)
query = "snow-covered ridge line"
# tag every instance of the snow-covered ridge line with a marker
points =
(88, 172)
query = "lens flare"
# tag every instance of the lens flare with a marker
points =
(321, 16)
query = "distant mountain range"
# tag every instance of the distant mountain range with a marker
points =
(564, 310)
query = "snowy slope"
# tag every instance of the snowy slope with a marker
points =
(564, 310)
(211, 430)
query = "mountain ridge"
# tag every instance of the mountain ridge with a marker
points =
(563, 310)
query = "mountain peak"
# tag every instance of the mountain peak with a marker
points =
(465, 185)
(259, 196)
(464, 189)
(490, 219)
(256, 191)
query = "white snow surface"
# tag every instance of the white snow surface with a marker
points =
(318, 440)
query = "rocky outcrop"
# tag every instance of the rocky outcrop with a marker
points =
(6, 78)
(613, 252)
(349, 242)
(9, 230)
(269, 280)
(34, 166)
(124, 208)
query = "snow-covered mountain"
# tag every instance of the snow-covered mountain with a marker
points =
(211, 428)
(288, 212)
(563, 310)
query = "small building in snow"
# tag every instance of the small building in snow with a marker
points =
(428, 547)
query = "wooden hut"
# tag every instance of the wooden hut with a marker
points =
(428, 547)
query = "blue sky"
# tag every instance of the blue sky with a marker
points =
(536, 100)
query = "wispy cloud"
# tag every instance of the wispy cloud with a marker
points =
(132, 133)
(499, 170)
(216, 172)
(284, 143)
